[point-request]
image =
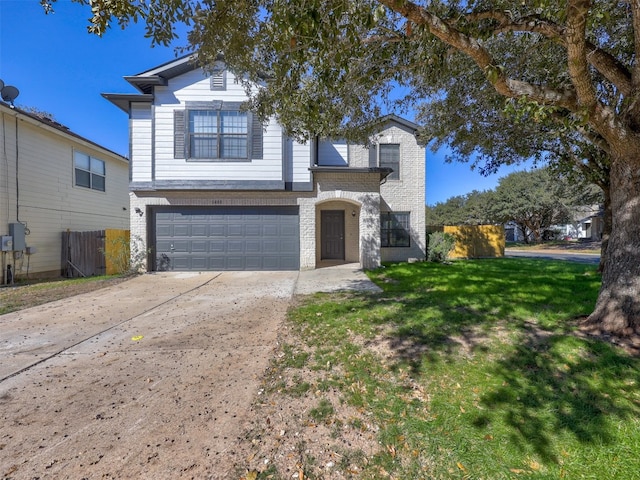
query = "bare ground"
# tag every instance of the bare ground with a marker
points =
(171, 419)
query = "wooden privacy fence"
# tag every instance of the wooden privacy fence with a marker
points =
(99, 252)
(475, 241)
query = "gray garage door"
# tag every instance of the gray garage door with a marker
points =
(227, 238)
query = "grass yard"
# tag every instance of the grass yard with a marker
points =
(476, 370)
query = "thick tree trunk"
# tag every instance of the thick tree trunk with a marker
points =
(606, 228)
(617, 311)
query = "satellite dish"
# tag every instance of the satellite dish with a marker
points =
(9, 93)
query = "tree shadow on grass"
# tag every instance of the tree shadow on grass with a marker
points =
(558, 384)
(548, 383)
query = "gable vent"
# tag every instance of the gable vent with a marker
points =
(218, 80)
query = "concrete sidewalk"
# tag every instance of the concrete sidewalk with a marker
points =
(335, 278)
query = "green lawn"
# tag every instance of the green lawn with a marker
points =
(476, 370)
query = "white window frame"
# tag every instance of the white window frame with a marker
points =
(94, 167)
(218, 135)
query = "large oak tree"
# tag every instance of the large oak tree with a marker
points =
(326, 66)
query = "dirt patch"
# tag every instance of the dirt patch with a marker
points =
(302, 428)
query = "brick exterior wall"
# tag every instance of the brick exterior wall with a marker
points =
(404, 195)
(349, 191)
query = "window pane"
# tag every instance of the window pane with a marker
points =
(83, 178)
(97, 182)
(394, 230)
(204, 147)
(390, 158)
(218, 134)
(97, 166)
(203, 121)
(233, 146)
(81, 160)
(233, 122)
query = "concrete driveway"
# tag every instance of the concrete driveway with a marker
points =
(151, 378)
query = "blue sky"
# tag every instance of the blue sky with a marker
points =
(61, 69)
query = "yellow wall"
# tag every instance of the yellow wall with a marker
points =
(116, 248)
(477, 241)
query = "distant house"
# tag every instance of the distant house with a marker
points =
(53, 180)
(212, 188)
(590, 223)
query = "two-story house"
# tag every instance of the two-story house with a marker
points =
(212, 188)
(53, 180)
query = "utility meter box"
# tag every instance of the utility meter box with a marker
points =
(6, 243)
(16, 230)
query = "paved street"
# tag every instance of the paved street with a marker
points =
(589, 258)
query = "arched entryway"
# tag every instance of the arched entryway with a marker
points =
(337, 232)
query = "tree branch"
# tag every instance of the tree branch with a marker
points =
(577, 14)
(470, 46)
(609, 66)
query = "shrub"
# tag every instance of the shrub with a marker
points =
(127, 255)
(440, 246)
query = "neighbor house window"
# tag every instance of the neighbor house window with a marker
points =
(394, 229)
(390, 158)
(217, 134)
(89, 172)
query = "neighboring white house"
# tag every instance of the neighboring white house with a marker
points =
(214, 189)
(53, 180)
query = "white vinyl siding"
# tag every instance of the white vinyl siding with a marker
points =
(195, 87)
(301, 160)
(333, 153)
(141, 135)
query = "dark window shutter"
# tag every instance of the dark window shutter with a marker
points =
(179, 132)
(256, 137)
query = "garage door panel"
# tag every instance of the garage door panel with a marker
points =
(288, 245)
(199, 230)
(227, 238)
(217, 246)
(217, 230)
(235, 262)
(198, 263)
(253, 246)
(164, 231)
(199, 245)
(217, 263)
(235, 230)
(181, 230)
(253, 230)
(181, 245)
(288, 230)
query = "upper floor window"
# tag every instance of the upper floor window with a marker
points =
(217, 131)
(394, 229)
(90, 172)
(390, 157)
(218, 134)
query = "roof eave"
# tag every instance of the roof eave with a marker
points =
(123, 100)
